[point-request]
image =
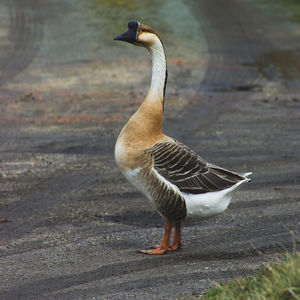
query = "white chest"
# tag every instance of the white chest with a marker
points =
(120, 153)
(135, 178)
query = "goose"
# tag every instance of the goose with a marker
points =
(180, 183)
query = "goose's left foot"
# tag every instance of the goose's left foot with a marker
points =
(165, 244)
(155, 251)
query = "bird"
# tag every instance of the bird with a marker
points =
(182, 185)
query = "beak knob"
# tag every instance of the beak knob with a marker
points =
(130, 36)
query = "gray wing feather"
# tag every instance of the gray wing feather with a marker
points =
(188, 171)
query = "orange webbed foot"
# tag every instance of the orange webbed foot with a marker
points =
(155, 251)
(165, 244)
(175, 246)
(177, 241)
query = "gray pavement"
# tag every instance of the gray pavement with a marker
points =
(70, 224)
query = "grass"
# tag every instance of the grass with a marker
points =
(288, 8)
(293, 6)
(278, 281)
(129, 4)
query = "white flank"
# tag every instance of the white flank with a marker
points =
(201, 206)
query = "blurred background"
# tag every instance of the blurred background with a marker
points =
(70, 223)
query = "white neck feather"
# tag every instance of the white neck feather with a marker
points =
(159, 67)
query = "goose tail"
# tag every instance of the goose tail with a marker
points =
(246, 175)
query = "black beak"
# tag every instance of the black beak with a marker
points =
(129, 36)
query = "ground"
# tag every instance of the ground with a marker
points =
(71, 225)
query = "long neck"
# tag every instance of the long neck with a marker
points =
(159, 71)
(147, 121)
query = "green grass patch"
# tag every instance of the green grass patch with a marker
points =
(293, 7)
(278, 281)
(129, 4)
(289, 9)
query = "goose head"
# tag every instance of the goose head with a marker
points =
(138, 34)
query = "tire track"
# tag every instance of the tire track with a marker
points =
(37, 288)
(232, 36)
(231, 45)
(25, 34)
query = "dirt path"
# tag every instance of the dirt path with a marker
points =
(70, 223)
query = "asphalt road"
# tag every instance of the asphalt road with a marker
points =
(70, 223)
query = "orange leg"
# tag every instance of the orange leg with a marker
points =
(164, 246)
(177, 242)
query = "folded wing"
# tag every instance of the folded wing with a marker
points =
(189, 172)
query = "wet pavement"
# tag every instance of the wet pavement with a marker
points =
(70, 223)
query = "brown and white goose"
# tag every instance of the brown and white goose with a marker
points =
(182, 185)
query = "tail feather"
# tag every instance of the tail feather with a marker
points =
(246, 175)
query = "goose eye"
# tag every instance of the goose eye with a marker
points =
(144, 30)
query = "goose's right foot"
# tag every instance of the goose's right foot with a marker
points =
(177, 242)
